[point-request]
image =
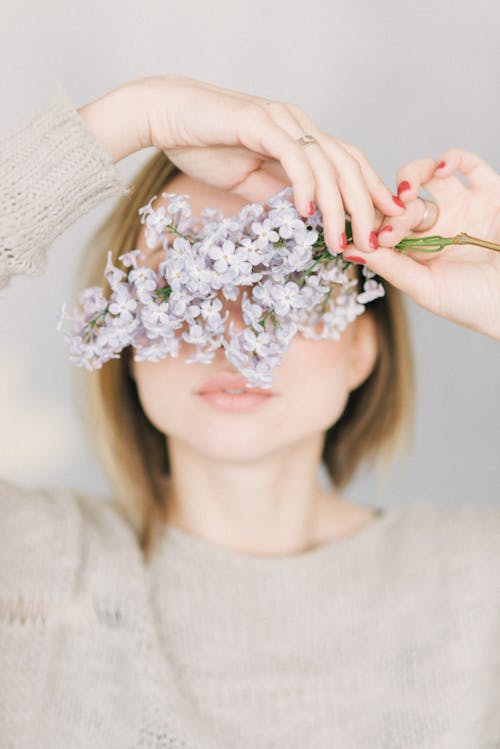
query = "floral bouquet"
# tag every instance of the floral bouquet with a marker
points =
(270, 258)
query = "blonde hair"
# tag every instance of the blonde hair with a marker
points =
(133, 451)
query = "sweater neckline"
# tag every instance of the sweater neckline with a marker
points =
(178, 541)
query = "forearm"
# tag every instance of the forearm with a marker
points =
(52, 171)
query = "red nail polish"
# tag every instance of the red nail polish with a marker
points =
(355, 259)
(373, 241)
(441, 165)
(310, 208)
(343, 241)
(404, 185)
(398, 202)
(386, 228)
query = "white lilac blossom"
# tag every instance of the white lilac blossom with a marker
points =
(272, 261)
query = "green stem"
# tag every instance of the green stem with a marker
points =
(95, 320)
(263, 321)
(433, 243)
(163, 293)
(174, 230)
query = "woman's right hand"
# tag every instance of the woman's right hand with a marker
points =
(473, 208)
(234, 141)
(461, 282)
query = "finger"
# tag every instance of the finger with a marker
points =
(402, 271)
(420, 173)
(394, 229)
(381, 195)
(327, 191)
(259, 133)
(329, 199)
(354, 188)
(356, 199)
(472, 166)
(379, 219)
(355, 196)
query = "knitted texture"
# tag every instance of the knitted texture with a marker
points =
(387, 639)
(52, 170)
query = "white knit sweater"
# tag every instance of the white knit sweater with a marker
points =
(387, 639)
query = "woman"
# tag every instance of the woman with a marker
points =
(224, 598)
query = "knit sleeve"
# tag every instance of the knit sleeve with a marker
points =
(52, 171)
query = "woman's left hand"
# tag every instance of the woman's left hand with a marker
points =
(234, 141)
(461, 282)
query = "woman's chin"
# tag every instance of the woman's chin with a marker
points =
(237, 446)
(236, 452)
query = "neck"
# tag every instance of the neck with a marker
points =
(272, 505)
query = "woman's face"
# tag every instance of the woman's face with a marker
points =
(309, 392)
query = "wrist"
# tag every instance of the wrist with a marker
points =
(114, 121)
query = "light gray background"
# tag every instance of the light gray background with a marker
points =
(399, 79)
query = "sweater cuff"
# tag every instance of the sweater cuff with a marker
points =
(53, 171)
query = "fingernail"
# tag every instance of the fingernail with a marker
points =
(404, 185)
(310, 208)
(441, 165)
(355, 259)
(386, 228)
(398, 202)
(343, 240)
(373, 241)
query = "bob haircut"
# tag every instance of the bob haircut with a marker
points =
(134, 453)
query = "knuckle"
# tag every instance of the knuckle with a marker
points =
(294, 108)
(271, 106)
(304, 174)
(250, 111)
(288, 159)
(408, 166)
(355, 166)
(379, 183)
(428, 164)
(358, 154)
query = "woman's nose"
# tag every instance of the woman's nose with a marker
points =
(235, 314)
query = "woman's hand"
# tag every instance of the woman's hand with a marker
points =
(461, 282)
(234, 141)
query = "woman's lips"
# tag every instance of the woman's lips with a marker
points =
(213, 392)
(228, 381)
(226, 402)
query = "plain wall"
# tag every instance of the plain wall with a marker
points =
(400, 80)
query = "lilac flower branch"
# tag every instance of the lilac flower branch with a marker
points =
(267, 256)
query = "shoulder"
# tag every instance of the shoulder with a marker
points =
(472, 529)
(48, 536)
(453, 549)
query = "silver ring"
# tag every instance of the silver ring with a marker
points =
(429, 216)
(306, 139)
